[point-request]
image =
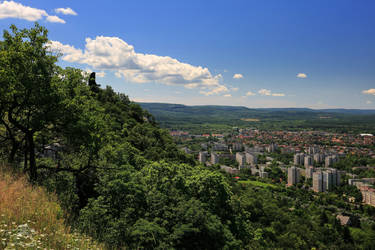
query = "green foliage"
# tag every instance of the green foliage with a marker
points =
(124, 181)
(162, 205)
(29, 100)
(349, 191)
(275, 173)
(228, 161)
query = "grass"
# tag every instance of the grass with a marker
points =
(30, 218)
(250, 119)
(257, 183)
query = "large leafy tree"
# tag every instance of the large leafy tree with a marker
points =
(29, 100)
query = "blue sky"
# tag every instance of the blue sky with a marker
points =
(247, 53)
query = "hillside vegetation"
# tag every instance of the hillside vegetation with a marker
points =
(31, 218)
(120, 178)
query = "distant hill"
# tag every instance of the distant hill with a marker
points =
(351, 111)
(178, 116)
(164, 107)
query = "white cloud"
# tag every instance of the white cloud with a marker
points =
(237, 76)
(71, 54)
(368, 102)
(191, 85)
(369, 92)
(264, 92)
(55, 19)
(227, 95)
(66, 11)
(11, 9)
(216, 90)
(234, 89)
(117, 74)
(112, 53)
(249, 93)
(88, 71)
(100, 74)
(278, 94)
(301, 75)
(267, 92)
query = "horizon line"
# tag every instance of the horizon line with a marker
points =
(194, 105)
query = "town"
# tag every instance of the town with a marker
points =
(312, 160)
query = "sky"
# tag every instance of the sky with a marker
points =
(253, 53)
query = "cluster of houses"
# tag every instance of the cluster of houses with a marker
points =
(314, 163)
(315, 156)
(294, 142)
(323, 179)
(247, 159)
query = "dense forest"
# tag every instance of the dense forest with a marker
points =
(121, 179)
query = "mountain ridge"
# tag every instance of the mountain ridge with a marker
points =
(335, 110)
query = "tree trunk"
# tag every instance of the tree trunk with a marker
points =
(80, 186)
(85, 185)
(31, 151)
(25, 159)
(12, 155)
(15, 143)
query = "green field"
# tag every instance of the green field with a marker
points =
(257, 183)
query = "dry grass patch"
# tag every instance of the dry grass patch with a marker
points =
(31, 219)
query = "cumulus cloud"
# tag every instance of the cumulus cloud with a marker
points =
(214, 91)
(11, 9)
(267, 92)
(227, 95)
(249, 93)
(66, 11)
(88, 71)
(234, 89)
(55, 19)
(100, 74)
(71, 54)
(369, 92)
(112, 53)
(264, 92)
(278, 94)
(368, 102)
(301, 75)
(237, 76)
